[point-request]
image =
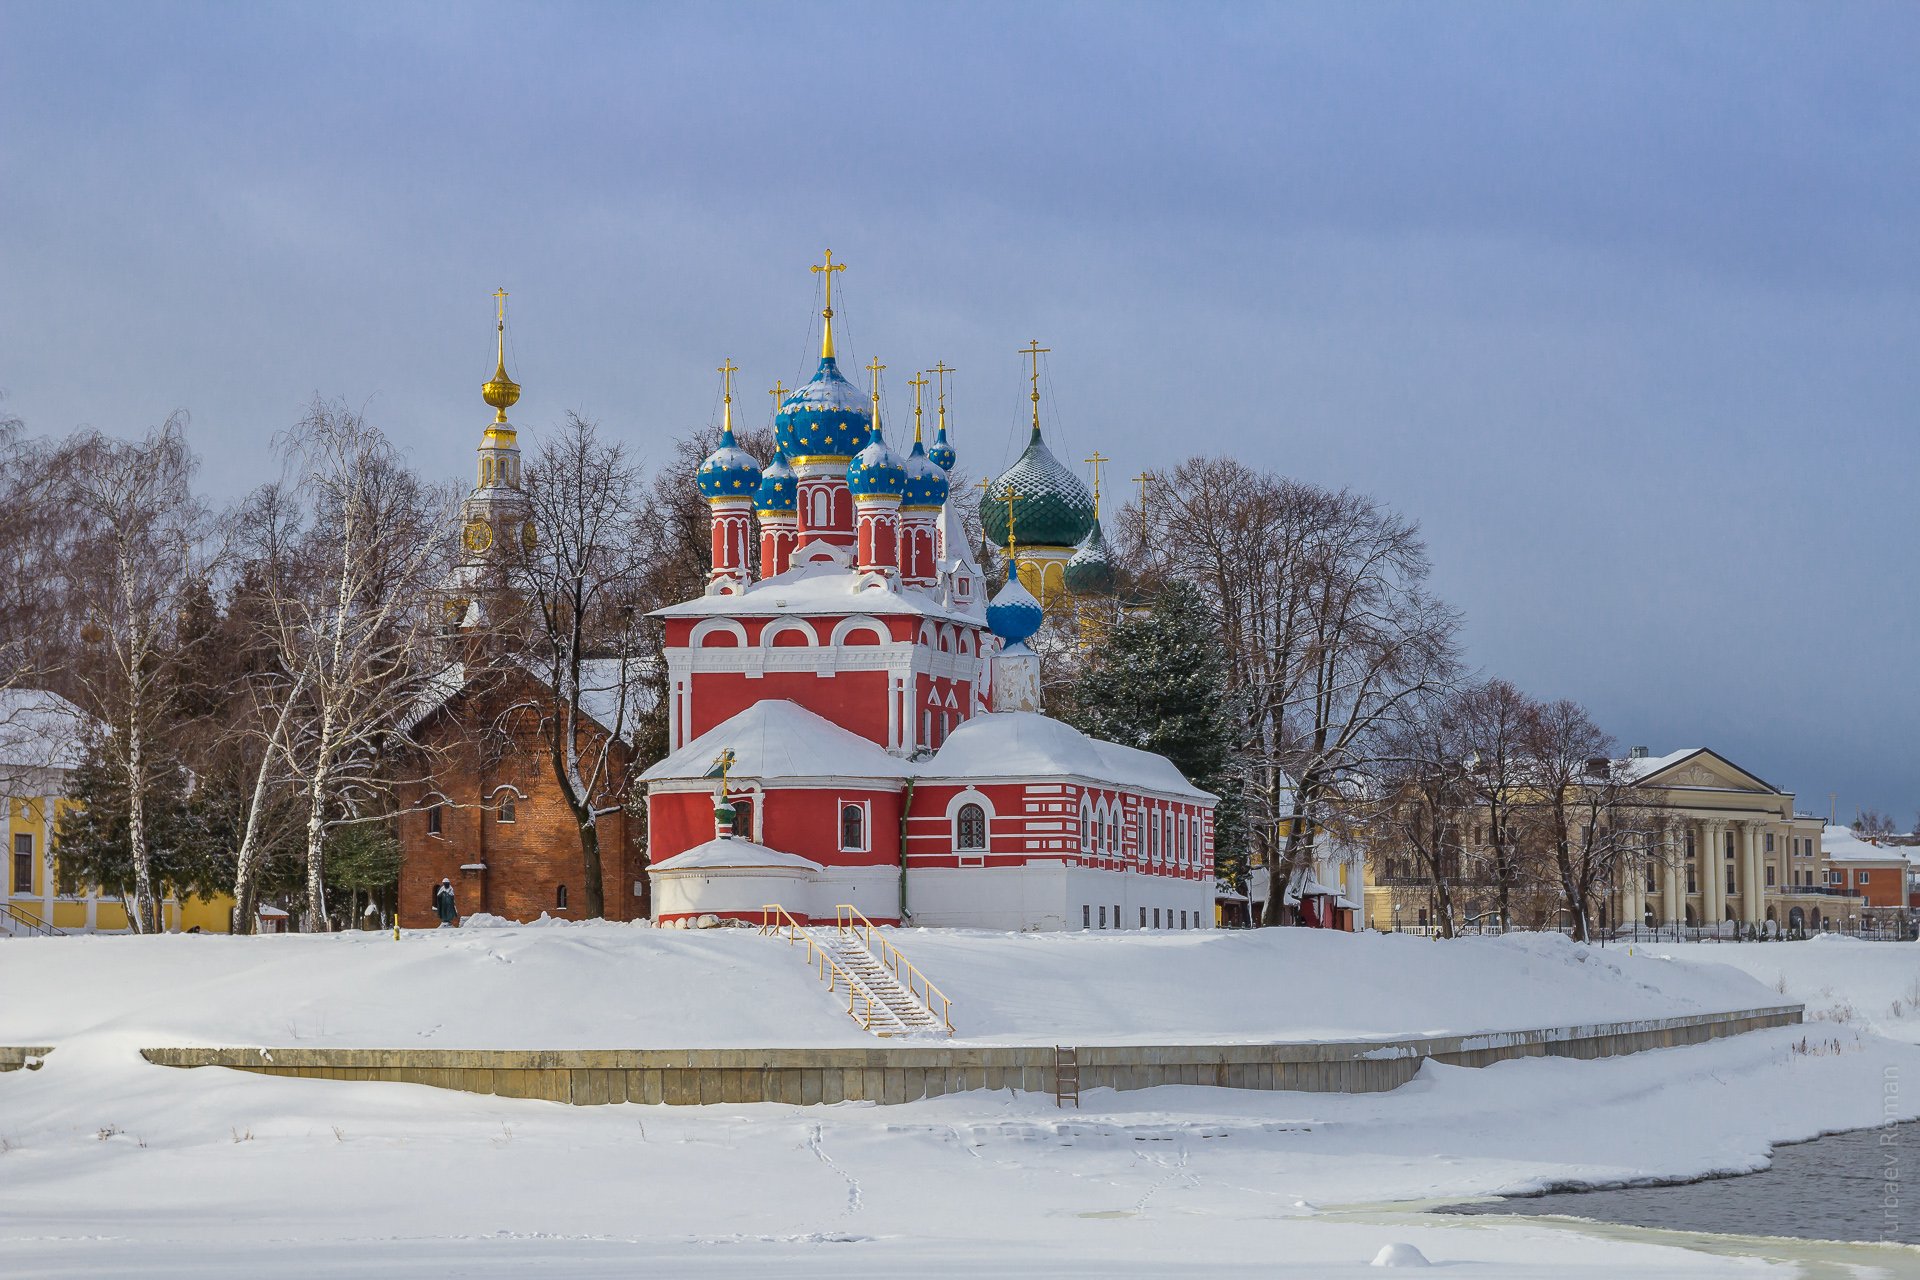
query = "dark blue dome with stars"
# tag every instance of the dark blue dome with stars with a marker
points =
(728, 472)
(926, 481)
(779, 493)
(942, 453)
(876, 469)
(826, 419)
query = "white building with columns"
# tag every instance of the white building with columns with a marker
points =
(1735, 850)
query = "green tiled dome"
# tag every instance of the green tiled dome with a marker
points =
(1090, 572)
(1051, 507)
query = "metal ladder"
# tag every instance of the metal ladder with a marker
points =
(1066, 1076)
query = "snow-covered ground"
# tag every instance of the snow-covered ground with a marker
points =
(633, 987)
(109, 1166)
(1874, 986)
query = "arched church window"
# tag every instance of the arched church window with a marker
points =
(742, 818)
(970, 827)
(560, 898)
(1085, 843)
(853, 826)
(1113, 833)
(507, 810)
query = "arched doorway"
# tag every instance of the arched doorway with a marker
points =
(1797, 920)
(1647, 916)
(1693, 916)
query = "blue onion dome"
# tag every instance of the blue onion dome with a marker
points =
(826, 419)
(1051, 506)
(876, 469)
(779, 493)
(728, 472)
(926, 481)
(1090, 571)
(942, 453)
(1013, 614)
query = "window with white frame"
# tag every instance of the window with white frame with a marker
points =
(970, 827)
(853, 826)
(1086, 828)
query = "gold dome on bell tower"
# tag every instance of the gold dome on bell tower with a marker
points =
(500, 391)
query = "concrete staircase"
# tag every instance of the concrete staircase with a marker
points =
(885, 992)
(896, 1010)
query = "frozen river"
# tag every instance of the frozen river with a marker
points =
(1858, 1186)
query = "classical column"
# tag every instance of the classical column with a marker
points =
(1754, 896)
(1706, 865)
(1674, 909)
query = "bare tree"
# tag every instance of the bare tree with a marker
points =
(1598, 822)
(1423, 792)
(583, 580)
(143, 549)
(348, 615)
(1494, 720)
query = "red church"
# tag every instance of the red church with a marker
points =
(858, 724)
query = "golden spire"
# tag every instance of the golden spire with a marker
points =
(500, 391)
(940, 372)
(917, 381)
(726, 371)
(1097, 461)
(826, 337)
(1008, 496)
(874, 367)
(1033, 351)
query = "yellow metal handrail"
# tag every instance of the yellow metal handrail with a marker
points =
(847, 919)
(775, 920)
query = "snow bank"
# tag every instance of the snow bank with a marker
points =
(1873, 985)
(561, 984)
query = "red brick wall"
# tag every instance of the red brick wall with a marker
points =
(526, 860)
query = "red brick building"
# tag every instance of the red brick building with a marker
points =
(492, 817)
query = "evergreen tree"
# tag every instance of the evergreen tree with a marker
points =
(94, 846)
(1157, 680)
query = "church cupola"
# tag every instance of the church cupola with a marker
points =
(942, 452)
(774, 504)
(729, 479)
(1048, 506)
(921, 499)
(495, 512)
(877, 478)
(820, 427)
(1090, 570)
(1014, 615)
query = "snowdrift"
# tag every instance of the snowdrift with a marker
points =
(563, 985)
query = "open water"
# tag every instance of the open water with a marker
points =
(1858, 1186)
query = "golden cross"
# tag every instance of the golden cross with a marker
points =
(500, 297)
(1097, 460)
(874, 367)
(725, 761)
(917, 381)
(1009, 495)
(940, 372)
(826, 340)
(779, 394)
(1141, 480)
(726, 371)
(1033, 351)
(500, 325)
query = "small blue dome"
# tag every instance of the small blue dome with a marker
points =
(942, 453)
(1013, 614)
(926, 482)
(728, 472)
(779, 493)
(876, 469)
(826, 418)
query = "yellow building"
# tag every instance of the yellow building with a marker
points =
(40, 746)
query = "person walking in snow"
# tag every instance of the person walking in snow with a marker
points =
(443, 905)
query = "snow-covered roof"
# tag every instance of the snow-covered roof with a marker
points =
(41, 730)
(1022, 744)
(1842, 845)
(734, 853)
(814, 589)
(1640, 768)
(776, 738)
(602, 684)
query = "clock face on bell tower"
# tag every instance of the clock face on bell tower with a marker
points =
(477, 536)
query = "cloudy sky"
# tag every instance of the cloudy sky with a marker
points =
(1619, 301)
